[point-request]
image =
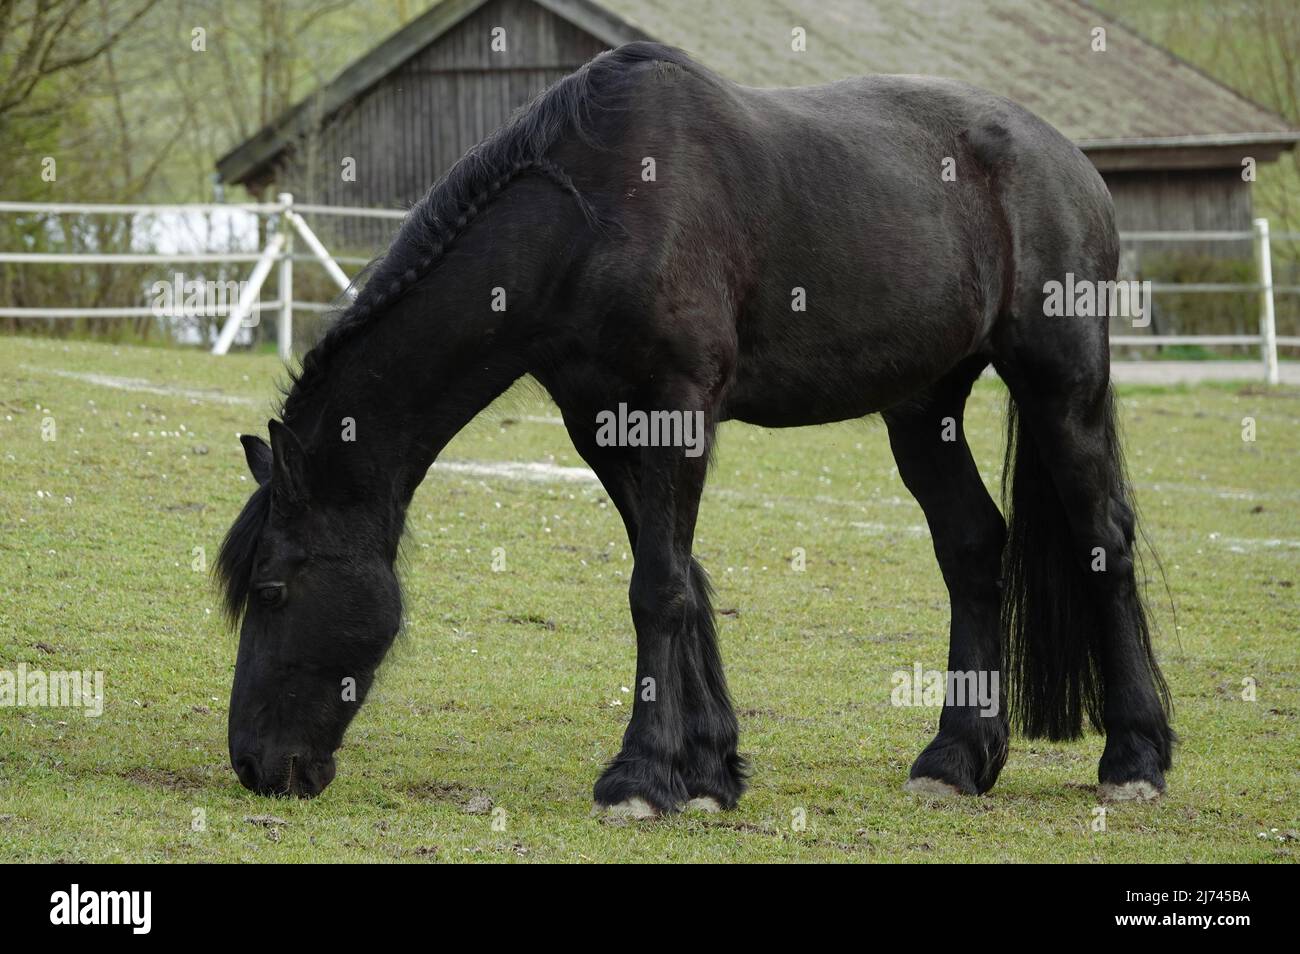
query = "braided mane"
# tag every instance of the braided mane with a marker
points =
(436, 221)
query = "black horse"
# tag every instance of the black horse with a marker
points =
(647, 233)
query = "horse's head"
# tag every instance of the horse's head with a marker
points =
(310, 572)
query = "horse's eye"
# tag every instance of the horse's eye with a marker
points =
(271, 594)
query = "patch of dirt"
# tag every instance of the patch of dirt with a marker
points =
(775, 716)
(444, 792)
(191, 780)
(747, 828)
(265, 821)
(532, 619)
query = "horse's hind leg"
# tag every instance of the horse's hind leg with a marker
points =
(1076, 623)
(680, 746)
(935, 463)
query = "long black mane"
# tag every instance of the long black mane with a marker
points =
(234, 567)
(565, 109)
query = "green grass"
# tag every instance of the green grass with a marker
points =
(509, 684)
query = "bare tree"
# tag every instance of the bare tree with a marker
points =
(46, 37)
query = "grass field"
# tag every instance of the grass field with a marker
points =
(510, 686)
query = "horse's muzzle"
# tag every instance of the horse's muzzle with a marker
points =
(284, 774)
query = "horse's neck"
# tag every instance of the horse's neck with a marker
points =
(421, 370)
(394, 401)
(398, 394)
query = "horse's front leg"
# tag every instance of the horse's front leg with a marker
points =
(936, 465)
(680, 745)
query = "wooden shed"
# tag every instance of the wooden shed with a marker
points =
(1169, 140)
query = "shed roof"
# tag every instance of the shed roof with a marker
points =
(1135, 105)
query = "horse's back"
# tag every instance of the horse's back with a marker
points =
(934, 170)
(867, 235)
(933, 213)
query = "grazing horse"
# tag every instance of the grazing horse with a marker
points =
(648, 234)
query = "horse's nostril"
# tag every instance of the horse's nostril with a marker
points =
(246, 769)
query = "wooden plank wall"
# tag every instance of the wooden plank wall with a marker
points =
(1183, 200)
(408, 129)
(1187, 200)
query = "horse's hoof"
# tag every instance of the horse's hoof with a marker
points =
(934, 787)
(637, 808)
(1139, 790)
(705, 804)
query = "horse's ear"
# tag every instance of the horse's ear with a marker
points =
(288, 463)
(258, 454)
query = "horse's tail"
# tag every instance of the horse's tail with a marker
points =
(1053, 620)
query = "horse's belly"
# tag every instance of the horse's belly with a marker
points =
(769, 404)
(794, 369)
(775, 391)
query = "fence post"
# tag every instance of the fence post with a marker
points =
(319, 250)
(1267, 319)
(286, 279)
(248, 297)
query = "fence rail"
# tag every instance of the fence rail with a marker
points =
(287, 225)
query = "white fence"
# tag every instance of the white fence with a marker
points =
(286, 225)
(1267, 339)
